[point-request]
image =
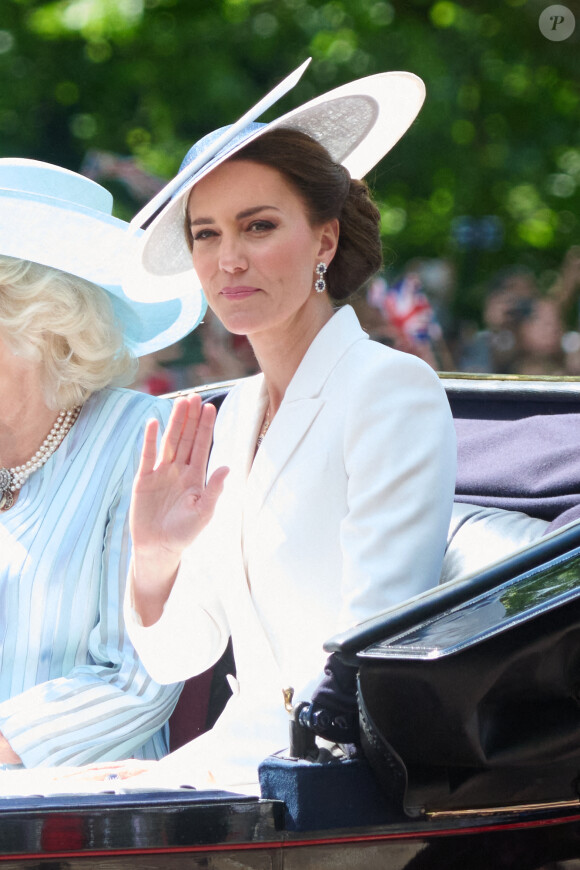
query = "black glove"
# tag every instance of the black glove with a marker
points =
(335, 725)
(333, 711)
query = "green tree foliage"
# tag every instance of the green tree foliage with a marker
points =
(499, 134)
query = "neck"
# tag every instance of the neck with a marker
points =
(23, 427)
(280, 351)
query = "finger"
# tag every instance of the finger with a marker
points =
(188, 433)
(149, 451)
(197, 439)
(172, 434)
(136, 768)
(203, 441)
(213, 491)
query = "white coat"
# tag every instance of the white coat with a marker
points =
(342, 514)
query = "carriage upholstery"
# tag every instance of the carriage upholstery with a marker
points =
(518, 471)
(518, 450)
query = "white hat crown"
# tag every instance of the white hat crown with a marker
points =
(358, 123)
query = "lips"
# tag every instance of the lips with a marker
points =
(235, 293)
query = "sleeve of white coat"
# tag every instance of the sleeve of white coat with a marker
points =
(400, 459)
(191, 633)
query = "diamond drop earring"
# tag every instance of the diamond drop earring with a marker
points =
(320, 283)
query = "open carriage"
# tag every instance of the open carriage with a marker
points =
(469, 697)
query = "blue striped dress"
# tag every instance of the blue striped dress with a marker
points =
(72, 689)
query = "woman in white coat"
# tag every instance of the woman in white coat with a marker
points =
(341, 452)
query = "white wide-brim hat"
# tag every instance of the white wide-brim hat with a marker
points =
(58, 218)
(358, 123)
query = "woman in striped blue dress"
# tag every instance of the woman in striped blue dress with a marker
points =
(72, 689)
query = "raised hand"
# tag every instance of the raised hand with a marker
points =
(171, 501)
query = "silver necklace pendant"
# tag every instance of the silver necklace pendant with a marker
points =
(6, 500)
(6, 497)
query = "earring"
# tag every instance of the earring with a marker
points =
(320, 283)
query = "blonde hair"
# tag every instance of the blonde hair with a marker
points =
(66, 324)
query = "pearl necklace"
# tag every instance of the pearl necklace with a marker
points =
(11, 479)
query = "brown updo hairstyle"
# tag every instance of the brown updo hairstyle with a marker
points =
(328, 192)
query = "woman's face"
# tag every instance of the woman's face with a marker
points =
(254, 249)
(8, 361)
(17, 374)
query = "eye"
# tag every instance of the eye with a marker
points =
(202, 235)
(261, 226)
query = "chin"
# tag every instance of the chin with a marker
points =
(240, 326)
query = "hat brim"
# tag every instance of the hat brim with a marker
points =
(358, 123)
(95, 246)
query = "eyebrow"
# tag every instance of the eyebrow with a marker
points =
(247, 212)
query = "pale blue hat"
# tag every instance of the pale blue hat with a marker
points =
(58, 218)
(358, 123)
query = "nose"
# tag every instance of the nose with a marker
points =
(232, 257)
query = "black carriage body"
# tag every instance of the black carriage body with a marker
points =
(221, 831)
(468, 697)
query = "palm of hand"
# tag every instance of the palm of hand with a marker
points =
(171, 501)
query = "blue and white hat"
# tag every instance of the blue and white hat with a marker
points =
(58, 218)
(358, 123)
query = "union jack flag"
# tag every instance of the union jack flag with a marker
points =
(406, 308)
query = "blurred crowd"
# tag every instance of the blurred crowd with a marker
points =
(525, 331)
(523, 328)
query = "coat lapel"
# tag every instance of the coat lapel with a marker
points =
(302, 403)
